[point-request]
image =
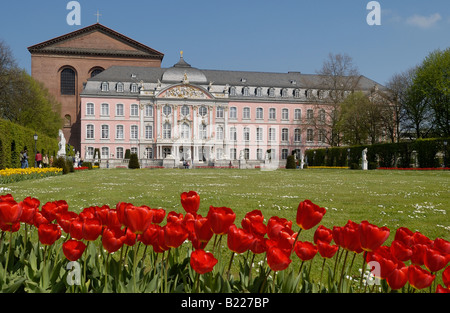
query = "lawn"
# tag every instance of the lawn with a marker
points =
(419, 200)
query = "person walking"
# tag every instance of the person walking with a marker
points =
(38, 159)
(45, 160)
(25, 159)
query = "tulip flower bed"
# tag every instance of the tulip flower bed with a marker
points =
(11, 175)
(49, 248)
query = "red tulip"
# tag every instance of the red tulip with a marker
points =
(10, 212)
(440, 289)
(137, 219)
(254, 222)
(175, 234)
(190, 201)
(49, 233)
(76, 229)
(323, 234)
(348, 237)
(39, 219)
(65, 220)
(372, 236)
(113, 239)
(441, 245)
(309, 214)
(73, 249)
(112, 220)
(305, 250)
(401, 251)
(92, 228)
(446, 276)
(238, 239)
(202, 229)
(398, 277)
(173, 216)
(420, 238)
(130, 238)
(160, 244)
(418, 254)
(278, 259)
(275, 225)
(102, 214)
(419, 278)
(11, 228)
(221, 218)
(385, 260)
(158, 215)
(50, 209)
(326, 250)
(258, 245)
(434, 260)
(150, 235)
(202, 262)
(404, 235)
(29, 209)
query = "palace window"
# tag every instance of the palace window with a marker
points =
(119, 132)
(309, 114)
(119, 153)
(134, 110)
(272, 114)
(233, 113)
(167, 131)
(202, 131)
(272, 134)
(232, 91)
(259, 154)
(105, 132)
(233, 134)
(167, 110)
(119, 87)
(284, 92)
(90, 109)
(89, 131)
(185, 131)
(90, 153)
(322, 116)
(246, 134)
(297, 114)
(285, 114)
(185, 110)
(246, 153)
(104, 109)
(148, 132)
(219, 133)
(246, 113)
(297, 93)
(105, 86)
(149, 110)
(233, 153)
(203, 110)
(297, 135)
(105, 153)
(259, 134)
(96, 71)
(285, 134)
(219, 112)
(246, 91)
(134, 88)
(119, 109)
(284, 154)
(309, 135)
(259, 113)
(134, 134)
(272, 92)
(148, 153)
(68, 82)
(259, 92)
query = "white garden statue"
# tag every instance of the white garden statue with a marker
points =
(61, 144)
(364, 160)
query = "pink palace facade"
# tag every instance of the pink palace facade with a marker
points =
(206, 117)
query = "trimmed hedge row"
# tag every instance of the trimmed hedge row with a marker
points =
(424, 152)
(14, 138)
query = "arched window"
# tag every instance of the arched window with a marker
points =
(68, 82)
(167, 131)
(185, 131)
(67, 120)
(96, 71)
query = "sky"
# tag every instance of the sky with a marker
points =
(249, 35)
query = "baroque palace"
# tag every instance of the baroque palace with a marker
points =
(122, 100)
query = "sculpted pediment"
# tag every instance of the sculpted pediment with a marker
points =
(184, 92)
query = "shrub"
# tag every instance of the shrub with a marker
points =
(61, 163)
(87, 164)
(134, 161)
(290, 162)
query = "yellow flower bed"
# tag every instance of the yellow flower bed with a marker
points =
(11, 175)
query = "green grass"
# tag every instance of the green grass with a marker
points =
(419, 200)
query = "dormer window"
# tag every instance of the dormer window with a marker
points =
(284, 92)
(272, 92)
(119, 87)
(232, 91)
(297, 93)
(259, 92)
(105, 86)
(246, 91)
(134, 87)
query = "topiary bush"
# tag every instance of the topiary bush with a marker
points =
(290, 162)
(134, 161)
(60, 162)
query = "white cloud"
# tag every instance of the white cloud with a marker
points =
(424, 21)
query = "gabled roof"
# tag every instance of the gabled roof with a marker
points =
(134, 49)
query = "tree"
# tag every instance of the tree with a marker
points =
(431, 86)
(25, 101)
(339, 76)
(354, 118)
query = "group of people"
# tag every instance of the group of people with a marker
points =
(41, 161)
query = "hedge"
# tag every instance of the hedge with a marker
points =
(385, 154)
(14, 138)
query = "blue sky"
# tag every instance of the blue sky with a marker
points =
(253, 35)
